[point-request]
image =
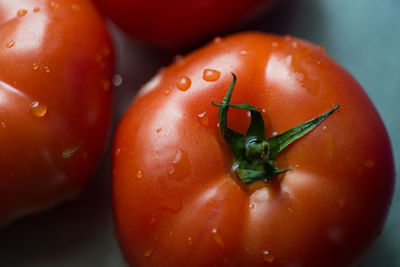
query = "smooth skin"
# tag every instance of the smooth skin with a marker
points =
(177, 201)
(175, 23)
(56, 65)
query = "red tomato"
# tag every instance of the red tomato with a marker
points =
(56, 64)
(177, 199)
(174, 23)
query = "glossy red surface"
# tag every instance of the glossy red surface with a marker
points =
(56, 65)
(176, 200)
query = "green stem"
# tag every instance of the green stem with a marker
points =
(254, 153)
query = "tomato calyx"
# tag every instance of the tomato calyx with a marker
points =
(253, 152)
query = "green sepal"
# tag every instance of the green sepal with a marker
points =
(254, 153)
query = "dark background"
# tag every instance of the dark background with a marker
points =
(362, 35)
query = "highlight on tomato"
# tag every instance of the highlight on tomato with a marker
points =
(284, 163)
(56, 65)
(176, 23)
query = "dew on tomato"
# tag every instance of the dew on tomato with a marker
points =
(147, 252)
(217, 238)
(68, 152)
(180, 166)
(203, 118)
(268, 257)
(211, 75)
(369, 163)
(189, 241)
(38, 109)
(36, 9)
(54, 5)
(22, 12)
(10, 43)
(139, 174)
(171, 203)
(35, 66)
(183, 83)
(105, 84)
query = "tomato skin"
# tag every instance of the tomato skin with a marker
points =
(48, 153)
(175, 23)
(176, 200)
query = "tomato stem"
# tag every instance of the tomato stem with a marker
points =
(254, 153)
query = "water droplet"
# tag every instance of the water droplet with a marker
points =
(153, 219)
(217, 40)
(70, 151)
(203, 118)
(38, 109)
(105, 84)
(274, 133)
(36, 9)
(22, 12)
(117, 80)
(244, 53)
(181, 167)
(147, 252)
(275, 44)
(118, 151)
(324, 128)
(216, 236)
(47, 69)
(211, 75)
(10, 44)
(184, 83)
(295, 44)
(252, 206)
(139, 174)
(167, 92)
(3, 124)
(35, 66)
(369, 163)
(263, 110)
(190, 241)
(158, 130)
(268, 257)
(341, 202)
(54, 5)
(171, 203)
(290, 210)
(76, 7)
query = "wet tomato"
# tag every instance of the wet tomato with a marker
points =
(56, 64)
(175, 23)
(187, 195)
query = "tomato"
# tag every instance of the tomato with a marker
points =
(177, 197)
(56, 65)
(175, 23)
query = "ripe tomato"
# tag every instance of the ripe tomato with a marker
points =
(177, 198)
(56, 64)
(174, 23)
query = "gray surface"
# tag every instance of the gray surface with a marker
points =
(363, 35)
